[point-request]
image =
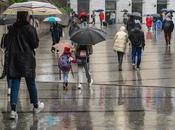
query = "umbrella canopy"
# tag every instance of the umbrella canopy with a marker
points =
(34, 8)
(60, 46)
(7, 20)
(88, 36)
(156, 15)
(164, 10)
(52, 19)
(135, 14)
(124, 10)
(99, 10)
(171, 10)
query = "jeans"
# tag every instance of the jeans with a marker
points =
(136, 51)
(65, 77)
(15, 90)
(80, 73)
(9, 82)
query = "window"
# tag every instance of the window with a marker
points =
(137, 6)
(110, 5)
(83, 5)
(161, 4)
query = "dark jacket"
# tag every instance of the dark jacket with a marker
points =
(137, 38)
(170, 26)
(22, 40)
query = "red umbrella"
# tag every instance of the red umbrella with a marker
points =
(83, 13)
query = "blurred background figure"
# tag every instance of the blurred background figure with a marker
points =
(148, 22)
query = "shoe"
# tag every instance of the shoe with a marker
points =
(13, 124)
(138, 68)
(9, 91)
(79, 86)
(90, 84)
(13, 115)
(133, 66)
(40, 108)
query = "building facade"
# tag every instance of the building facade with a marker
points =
(142, 6)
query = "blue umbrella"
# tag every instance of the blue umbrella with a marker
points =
(52, 19)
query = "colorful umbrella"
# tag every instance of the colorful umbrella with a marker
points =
(60, 46)
(52, 19)
(34, 8)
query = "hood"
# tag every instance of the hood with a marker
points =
(122, 28)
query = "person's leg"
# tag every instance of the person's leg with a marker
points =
(80, 74)
(14, 93)
(165, 35)
(88, 76)
(139, 54)
(133, 55)
(31, 85)
(169, 37)
(65, 78)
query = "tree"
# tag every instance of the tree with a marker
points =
(16, 1)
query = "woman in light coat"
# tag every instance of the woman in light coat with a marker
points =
(120, 42)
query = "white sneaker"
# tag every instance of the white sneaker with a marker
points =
(90, 84)
(79, 86)
(9, 91)
(40, 108)
(13, 115)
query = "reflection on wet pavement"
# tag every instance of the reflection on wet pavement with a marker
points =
(127, 100)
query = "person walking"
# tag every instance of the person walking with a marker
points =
(64, 63)
(101, 17)
(54, 29)
(22, 42)
(149, 22)
(83, 53)
(120, 43)
(112, 17)
(137, 39)
(93, 17)
(168, 27)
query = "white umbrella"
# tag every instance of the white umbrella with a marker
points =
(34, 8)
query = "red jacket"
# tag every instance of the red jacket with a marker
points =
(149, 22)
(101, 16)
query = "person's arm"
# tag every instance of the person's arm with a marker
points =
(143, 40)
(33, 37)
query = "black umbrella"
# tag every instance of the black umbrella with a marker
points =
(156, 15)
(164, 10)
(124, 10)
(171, 10)
(7, 20)
(88, 36)
(99, 10)
(135, 14)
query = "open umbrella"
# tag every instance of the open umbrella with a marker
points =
(156, 15)
(124, 10)
(164, 10)
(34, 8)
(171, 10)
(88, 36)
(52, 19)
(7, 20)
(60, 46)
(99, 10)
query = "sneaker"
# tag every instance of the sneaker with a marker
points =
(133, 66)
(90, 84)
(40, 108)
(79, 86)
(13, 115)
(9, 91)
(138, 68)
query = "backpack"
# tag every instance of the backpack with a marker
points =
(63, 63)
(136, 39)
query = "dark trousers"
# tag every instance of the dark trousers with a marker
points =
(167, 37)
(15, 85)
(136, 51)
(120, 57)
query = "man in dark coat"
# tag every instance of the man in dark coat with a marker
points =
(137, 39)
(22, 40)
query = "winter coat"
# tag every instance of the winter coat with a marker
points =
(101, 16)
(149, 22)
(169, 28)
(22, 41)
(137, 38)
(120, 41)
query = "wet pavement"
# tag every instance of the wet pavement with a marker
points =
(127, 100)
